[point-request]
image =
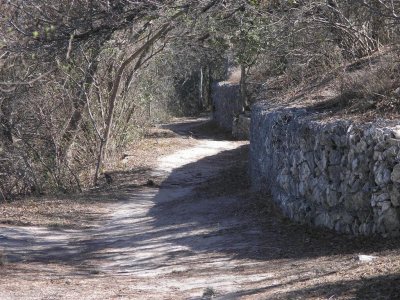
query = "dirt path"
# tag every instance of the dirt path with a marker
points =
(200, 234)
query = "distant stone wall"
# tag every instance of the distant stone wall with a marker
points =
(336, 174)
(226, 103)
(241, 127)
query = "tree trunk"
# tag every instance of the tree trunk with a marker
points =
(243, 87)
(140, 54)
(98, 164)
(201, 89)
(5, 124)
(377, 23)
(208, 88)
(79, 104)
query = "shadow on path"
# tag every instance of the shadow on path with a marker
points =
(202, 128)
(243, 224)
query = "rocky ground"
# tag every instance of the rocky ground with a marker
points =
(184, 227)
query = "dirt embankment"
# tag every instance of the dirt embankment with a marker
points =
(362, 91)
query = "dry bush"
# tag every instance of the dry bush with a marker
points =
(306, 39)
(374, 86)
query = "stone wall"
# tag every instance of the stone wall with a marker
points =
(226, 103)
(337, 174)
(241, 127)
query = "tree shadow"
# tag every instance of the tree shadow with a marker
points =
(231, 219)
(200, 129)
(385, 287)
(378, 287)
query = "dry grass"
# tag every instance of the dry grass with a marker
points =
(56, 212)
(371, 87)
(361, 91)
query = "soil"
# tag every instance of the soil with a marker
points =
(196, 231)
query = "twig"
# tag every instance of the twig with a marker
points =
(28, 82)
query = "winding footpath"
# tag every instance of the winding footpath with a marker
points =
(172, 242)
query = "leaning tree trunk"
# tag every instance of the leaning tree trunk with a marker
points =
(208, 87)
(79, 105)
(5, 123)
(201, 90)
(243, 87)
(140, 54)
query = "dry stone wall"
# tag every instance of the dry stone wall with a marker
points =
(241, 126)
(337, 174)
(226, 103)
